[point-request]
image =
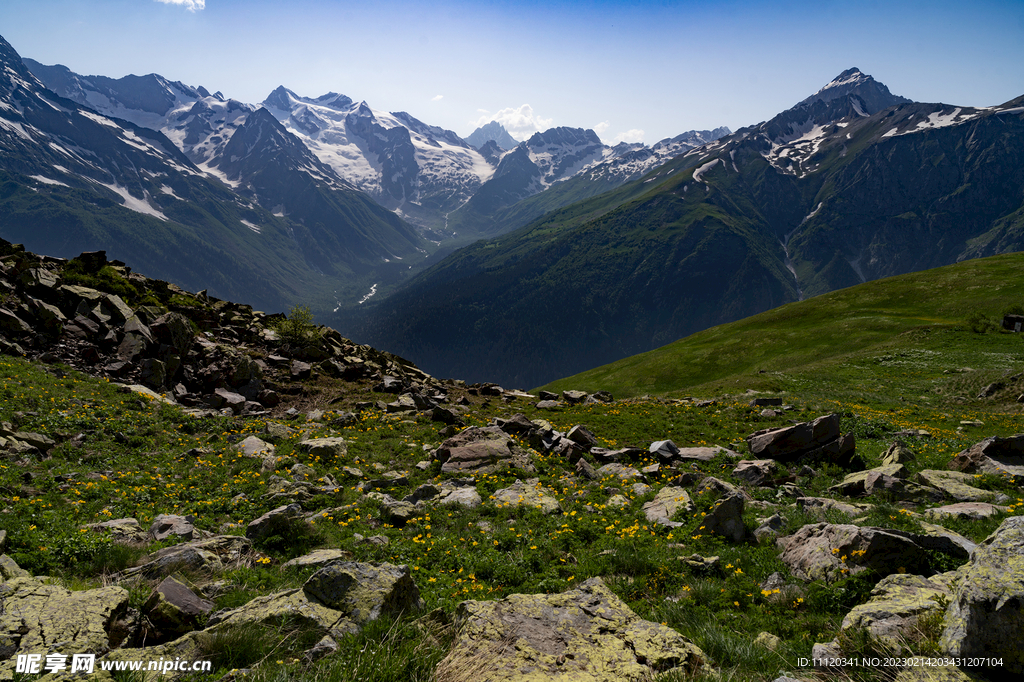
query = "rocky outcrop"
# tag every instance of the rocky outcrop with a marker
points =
(529, 493)
(41, 618)
(828, 552)
(481, 450)
(585, 633)
(809, 441)
(996, 455)
(986, 614)
(897, 604)
(666, 503)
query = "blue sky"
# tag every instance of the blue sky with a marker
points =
(637, 71)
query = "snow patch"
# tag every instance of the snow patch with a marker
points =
(701, 170)
(47, 181)
(364, 299)
(812, 213)
(254, 228)
(134, 203)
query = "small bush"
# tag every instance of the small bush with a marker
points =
(298, 328)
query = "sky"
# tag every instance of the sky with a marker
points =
(631, 70)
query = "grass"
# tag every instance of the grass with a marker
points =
(902, 338)
(119, 455)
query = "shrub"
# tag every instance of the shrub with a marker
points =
(298, 328)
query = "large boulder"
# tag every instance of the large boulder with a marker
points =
(996, 455)
(325, 450)
(986, 616)
(206, 556)
(364, 591)
(955, 485)
(897, 604)
(174, 609)
(481, 449)
(830, 552)
(39, 619)
(666, 503)
(527, 493)
(583, 634)
(274, 522)
(815, 440)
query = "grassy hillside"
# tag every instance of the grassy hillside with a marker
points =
(914, 328)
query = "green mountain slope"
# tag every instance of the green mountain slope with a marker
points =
(907, 335)
(826, 195)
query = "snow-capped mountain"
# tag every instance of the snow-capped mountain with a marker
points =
(418, 170)
(228, 200)
(557, 167)
(492, 132)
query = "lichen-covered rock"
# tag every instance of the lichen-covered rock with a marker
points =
(207, 556)
(125, 531)
(362, 592)
(666, 503)
(325, 450)
(824, 504)
(319, 557)
(756, 471)
(955, 485)
(39, 618)
(897, 603)
(583, 635)
(9, 568)
(995, 455)
(527, 493)
(986, 617)
(966, 510)
(255, 447)
(624, 474)
(824, 551)
(482, 450)
(274, 522)
(166, 525)
(174, 609)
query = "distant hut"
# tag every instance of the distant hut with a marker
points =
(1013, 322)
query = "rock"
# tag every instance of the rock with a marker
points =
(582, 634)
(855, 484)
(446, 416)
(301, 371)
(205, 556)
(756, 472)
(623, 473)
(528, 493)
(574, 397)
(619, 501)
(166, 525)
(548, 405)
(725, 519)
(582, 437)
(955, 485)
(363, 592)
(665, 450)
(986, 616)
(222, 397)
(665, 504)
(318, 557)
(325, 647)
(705, 454)
(768, 641)
(274, 522)
(769, 528)
(897, 454)
(965, 510)
(10, 569)
(586, 470)
(897, 603)
(703, 565)
(325, 450)
(482, 450)
(42, 619)
(824, 504)
(828, 552)
(816, 440)
(175, 609)
(996, 455)
(252, 446)
(395, 512)
(467, 497)
(124, 531)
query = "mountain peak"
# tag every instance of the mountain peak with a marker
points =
(872, 96)
(494, 132)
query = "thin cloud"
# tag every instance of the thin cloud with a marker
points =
(633, 135)
(601, 127)
(520, 122)
(190, 5)
(437, 98)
